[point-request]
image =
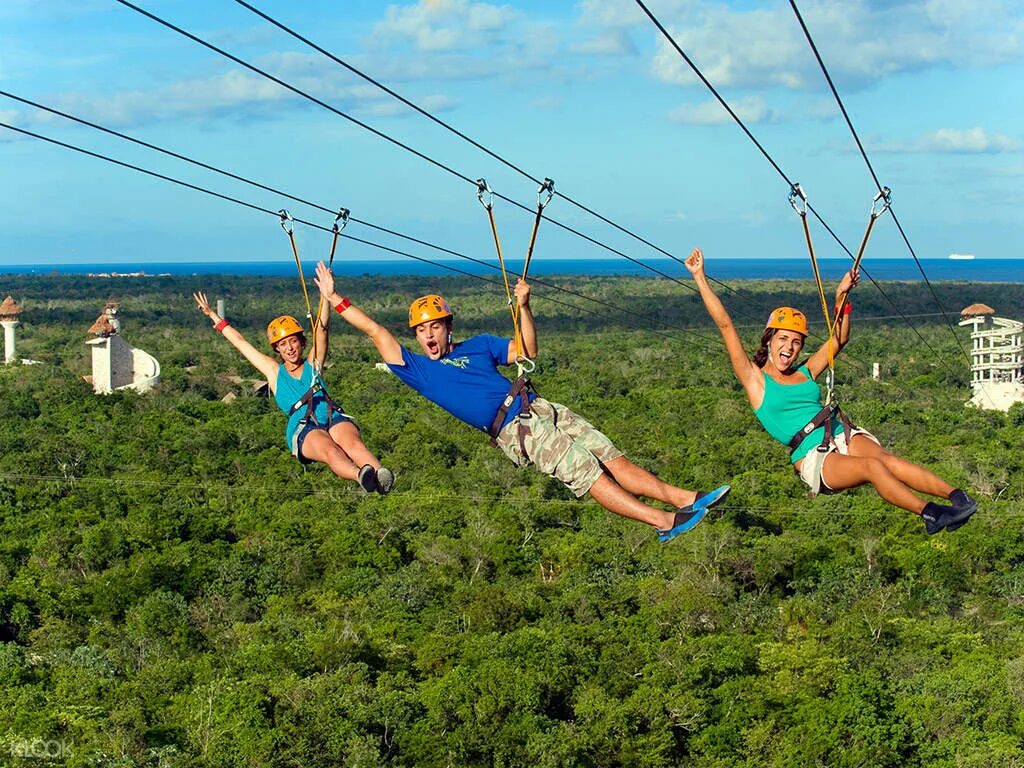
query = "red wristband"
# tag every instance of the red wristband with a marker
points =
(219, 327)
(848, 308)
(342, 305)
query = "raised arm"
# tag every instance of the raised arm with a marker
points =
(265, 364)
(387, 345)
(747, 373)
(321, 333)
(527, 328)
(819, 360)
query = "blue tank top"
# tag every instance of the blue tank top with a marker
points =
(289, 390)
(787, 408)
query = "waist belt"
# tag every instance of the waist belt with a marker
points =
(822, 418)
(520, 390)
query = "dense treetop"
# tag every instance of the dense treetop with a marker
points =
(176, 590)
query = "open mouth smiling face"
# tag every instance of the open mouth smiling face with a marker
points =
(434, 338)
(786, 346)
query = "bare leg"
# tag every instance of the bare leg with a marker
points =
(640, 482)
(346, 435)
(614, 498)
(913, 475)
(319, 446)
(841, 472)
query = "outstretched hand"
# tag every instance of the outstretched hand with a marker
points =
(324, 280)
(202, 302)
(695, 262)
(849, 282)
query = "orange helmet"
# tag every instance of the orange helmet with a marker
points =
(282, 327)
(427, 308)
(788, 319)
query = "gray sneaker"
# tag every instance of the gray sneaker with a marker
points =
(385, 481)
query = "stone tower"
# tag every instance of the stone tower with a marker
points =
(9, 312)
(115, 363)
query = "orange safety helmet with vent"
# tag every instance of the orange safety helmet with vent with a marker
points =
(427, 308)
(282, 327)
(788, 319)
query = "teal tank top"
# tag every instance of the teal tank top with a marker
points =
(787, 408)
(289, 390)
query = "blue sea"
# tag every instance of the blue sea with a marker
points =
(972, 270)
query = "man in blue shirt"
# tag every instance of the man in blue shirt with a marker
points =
(463, 378)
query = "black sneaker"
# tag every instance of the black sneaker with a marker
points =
(937, 517)
(961, 501)
(385, 480)
(367, 478)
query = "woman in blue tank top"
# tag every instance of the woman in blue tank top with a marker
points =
(786, 399)
(318, 429)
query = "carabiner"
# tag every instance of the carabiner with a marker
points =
(830, 382)
(482, 190)
(287, 222)
(885, 196)
(548, 185)
(525, 365)
(796, 192)
(343, 218)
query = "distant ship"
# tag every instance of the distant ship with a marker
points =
(962, 256)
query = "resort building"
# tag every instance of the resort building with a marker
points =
(115, 363)
(997, 358)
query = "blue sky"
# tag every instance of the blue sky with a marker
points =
(584, 92)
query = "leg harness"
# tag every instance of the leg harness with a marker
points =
(823, 418)
(520, 390)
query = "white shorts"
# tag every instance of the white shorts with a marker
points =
(811, 464)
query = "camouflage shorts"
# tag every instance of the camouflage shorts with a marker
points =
(561, 444)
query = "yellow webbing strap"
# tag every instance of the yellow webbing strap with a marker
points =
(486, 197)
(288, 225)
(798, 199)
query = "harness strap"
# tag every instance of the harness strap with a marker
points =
(823, 418)
(307, 399)
(520, 390)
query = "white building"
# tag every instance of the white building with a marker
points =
(115, 363)
(997, 358)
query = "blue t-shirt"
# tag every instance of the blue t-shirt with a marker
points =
(289, 390)
(465, 382)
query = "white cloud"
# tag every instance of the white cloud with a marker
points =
(390, 107)
(969, 141)
(616, 42)
(861, 41)
(751, 109)
(442, 25)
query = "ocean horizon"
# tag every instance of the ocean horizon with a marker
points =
(943, 269)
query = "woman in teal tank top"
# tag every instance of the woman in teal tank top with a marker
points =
(786, 398)
(318, 430)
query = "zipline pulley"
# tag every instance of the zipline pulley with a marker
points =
(881, 202)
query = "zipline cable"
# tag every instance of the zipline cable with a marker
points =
(725, 105)
(344, 215)
(370, 243)
(390, 139)
(878, 184)
(515, 502)
(462, 135)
